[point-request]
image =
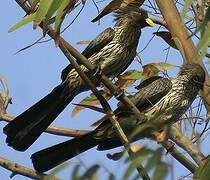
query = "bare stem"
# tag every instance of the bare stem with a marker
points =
(188, 146)
(18, 169)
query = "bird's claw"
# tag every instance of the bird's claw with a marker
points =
(119, 95)
(97, 70)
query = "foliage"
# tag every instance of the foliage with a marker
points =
(53, 13)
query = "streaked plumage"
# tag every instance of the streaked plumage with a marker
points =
(113, 50)
(164, 97)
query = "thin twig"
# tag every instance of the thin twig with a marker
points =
(18, 169)
(52, 129)
(159, 21)
(4, 97)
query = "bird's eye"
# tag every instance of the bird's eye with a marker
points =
(196, 79)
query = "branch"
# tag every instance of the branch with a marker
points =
(18, 169)
(184, 43)
(188, 146)
(52, 129)
(5, 100)
(4, 97)
(169, 146)
(159, 21)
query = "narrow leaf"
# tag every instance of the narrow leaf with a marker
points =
(203, 171)
(108, 9)
(160, 171)
(91, 107)
(26, 20)
(83, 42)
(91, 171)
(132, 74)
(186, 6)
(90, 100)
(164, 66)
(54, 6)
(75, 172)
(42, 11)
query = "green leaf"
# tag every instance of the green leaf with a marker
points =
(203, 171)
(154, 160)
(205, 36)
(186, 6)
(42, 11)
(160, 171)
(130, 169)
(203, 43)
(26, 20)
(91, 171)
(132, 74)
(166, 66)
(90, 100)
(54, 6)
(56, 170)
(139, 156)
(75, 172)
(35, 2)
(61, 14)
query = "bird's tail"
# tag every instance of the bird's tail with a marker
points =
(23, 131)
(48, 158)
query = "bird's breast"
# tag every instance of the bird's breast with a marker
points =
(171, 107)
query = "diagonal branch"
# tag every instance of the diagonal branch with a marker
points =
(169, 146)
(188, 146)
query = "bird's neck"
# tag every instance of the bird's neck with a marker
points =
(183, 85)
(127, 35)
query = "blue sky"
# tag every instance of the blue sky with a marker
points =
(33, 73)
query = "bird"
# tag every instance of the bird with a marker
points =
(112, 51)
(167, 98)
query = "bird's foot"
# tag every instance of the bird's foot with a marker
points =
(97, 71)
(119, 95)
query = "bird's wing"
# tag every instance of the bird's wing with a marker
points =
(148, 95)
(145, 98)
(152, 93)
(99, 42)
(95, 45)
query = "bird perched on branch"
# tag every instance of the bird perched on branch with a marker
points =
(113, 51)
(164, 98)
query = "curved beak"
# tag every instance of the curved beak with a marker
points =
(150, 22)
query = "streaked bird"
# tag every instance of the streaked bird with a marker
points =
(164, 97)
(113, 51)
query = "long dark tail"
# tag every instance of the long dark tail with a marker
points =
(23, 131)
(48, 158)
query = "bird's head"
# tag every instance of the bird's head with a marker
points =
(132, 15)
(193, 73)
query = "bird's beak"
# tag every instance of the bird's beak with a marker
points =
(150, 22)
